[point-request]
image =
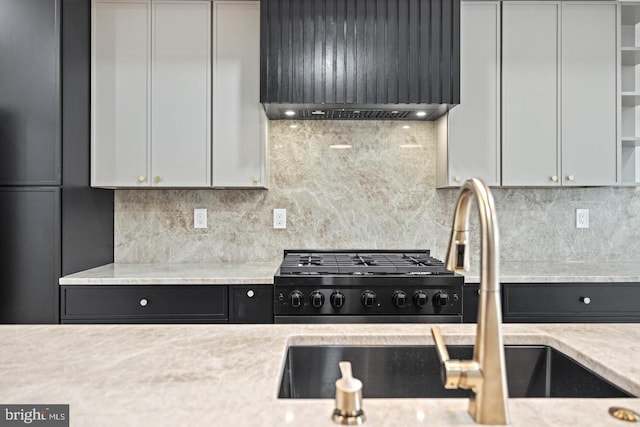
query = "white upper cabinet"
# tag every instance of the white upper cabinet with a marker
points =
(120, 92)
(589, 88)
(559, 77)
(239, 123)
(151, 86)
(468, 137)
(530, 93)
(181, 94)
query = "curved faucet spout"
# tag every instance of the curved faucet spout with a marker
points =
(486, 373)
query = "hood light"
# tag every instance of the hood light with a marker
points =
(340, 146)
(290, 113)
(421, 114)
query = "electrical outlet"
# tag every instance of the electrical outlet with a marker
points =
(279, 218)
(199, 218)
(582, 218)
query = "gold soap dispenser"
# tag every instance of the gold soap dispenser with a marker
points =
(348, 398)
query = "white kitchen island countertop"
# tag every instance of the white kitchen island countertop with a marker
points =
(228, 375)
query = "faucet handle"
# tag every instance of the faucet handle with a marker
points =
(455, 373)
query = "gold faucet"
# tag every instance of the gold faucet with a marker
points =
(485, 375)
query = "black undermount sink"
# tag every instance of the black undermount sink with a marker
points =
(414, 372)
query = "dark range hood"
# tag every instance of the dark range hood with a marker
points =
(359, 59)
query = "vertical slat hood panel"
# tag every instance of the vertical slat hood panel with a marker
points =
(360, 55)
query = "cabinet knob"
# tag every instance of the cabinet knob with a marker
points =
(250, 293)
(570, 177)
(157, 178)
(256, 179)
(585, 300)
(554, 178)
(142, 178)
(457, 178)
(144, 302)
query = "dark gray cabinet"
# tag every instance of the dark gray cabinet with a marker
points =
(51, 222)
(30, 92)
(571, 302)
(166, 304)
(561, 302)
(30, 259)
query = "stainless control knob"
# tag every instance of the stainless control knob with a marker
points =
(251, 293)
(337, 299)
(420, 298)
(399, 299)
(585, 300)
(144, 302)
(369, 299)
(296, 298)
(317, 299)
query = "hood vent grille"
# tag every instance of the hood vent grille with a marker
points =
(353, 114)
(372, 56)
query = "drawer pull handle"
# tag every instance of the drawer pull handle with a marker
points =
(250, 293)
(144, 302)
(585, 300)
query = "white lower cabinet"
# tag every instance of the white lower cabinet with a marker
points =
(559, 76)
(468, 136)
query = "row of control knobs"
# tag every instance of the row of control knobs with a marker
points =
(368, 299)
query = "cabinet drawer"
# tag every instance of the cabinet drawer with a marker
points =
(151, 304)
(569, 301)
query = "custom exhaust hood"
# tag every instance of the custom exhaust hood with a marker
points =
(359, 59)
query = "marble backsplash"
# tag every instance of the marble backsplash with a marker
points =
(380, 193)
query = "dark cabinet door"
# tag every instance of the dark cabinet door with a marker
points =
(29, 254)
(29, 92)
(251, 304)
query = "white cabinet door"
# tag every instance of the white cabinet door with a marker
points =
(120, 93)
(180, 112)
(239, 137)
(472, 145)
(589, 137)
(530, 93)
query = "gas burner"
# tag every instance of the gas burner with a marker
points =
(363, 260)
(308, 260)
(418, 259)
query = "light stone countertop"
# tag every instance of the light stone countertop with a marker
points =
(249, 273)
(228, 375)
(256, 273)
(564, 271)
